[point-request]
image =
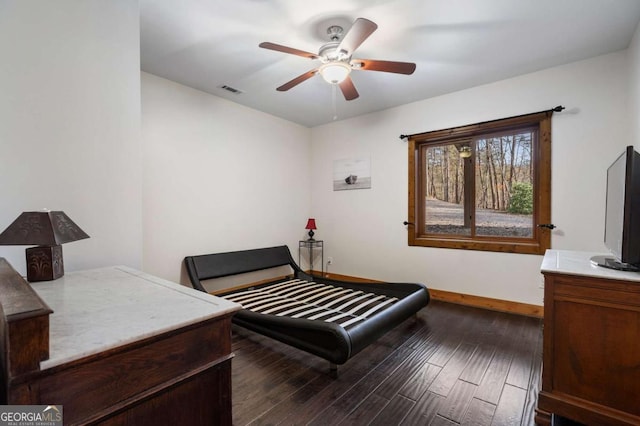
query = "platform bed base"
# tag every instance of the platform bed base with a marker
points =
(329, 318)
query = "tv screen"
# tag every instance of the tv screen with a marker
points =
(622, 215)
(614, 215)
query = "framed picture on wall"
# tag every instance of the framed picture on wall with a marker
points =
(352, 173)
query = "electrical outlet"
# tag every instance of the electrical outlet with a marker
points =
(329, 260)
(541, 285)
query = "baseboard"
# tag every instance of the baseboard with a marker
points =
(488, 303)
(341, 277)
(464, 299)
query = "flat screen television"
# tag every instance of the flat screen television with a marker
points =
(622, 214)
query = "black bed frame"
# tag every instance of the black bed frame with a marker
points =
(324, 339)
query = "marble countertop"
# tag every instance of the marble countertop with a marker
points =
(578, 263)
(100, 309)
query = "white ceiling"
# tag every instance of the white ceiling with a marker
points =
(456, 44)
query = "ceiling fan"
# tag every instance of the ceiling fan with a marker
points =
(336, 59)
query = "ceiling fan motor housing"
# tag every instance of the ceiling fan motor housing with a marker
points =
(329, 53)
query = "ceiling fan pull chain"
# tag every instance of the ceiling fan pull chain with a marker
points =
(333, 100)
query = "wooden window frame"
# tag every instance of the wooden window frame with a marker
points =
(541, 157)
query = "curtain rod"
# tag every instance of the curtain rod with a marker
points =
(559, 108)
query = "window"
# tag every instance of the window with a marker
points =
(485, 186)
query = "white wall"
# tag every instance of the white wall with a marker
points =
(70, 123)
(363, 229)
(217, 177)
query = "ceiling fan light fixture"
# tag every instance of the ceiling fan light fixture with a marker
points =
(335, 72)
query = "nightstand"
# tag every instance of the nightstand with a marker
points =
(313, 246)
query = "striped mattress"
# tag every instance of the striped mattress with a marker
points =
(296, 298)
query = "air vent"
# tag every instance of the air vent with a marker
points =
(231, 89)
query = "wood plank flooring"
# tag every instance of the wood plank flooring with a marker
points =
(452, 365)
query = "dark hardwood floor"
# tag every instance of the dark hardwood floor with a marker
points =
(453, 365)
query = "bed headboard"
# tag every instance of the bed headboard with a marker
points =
(218, 265)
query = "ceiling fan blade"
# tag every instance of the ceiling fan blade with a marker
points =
(359, 32)
(384, 66)
(299, 79)
(285, 49)
(348, 89)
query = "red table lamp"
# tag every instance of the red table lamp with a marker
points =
(311, 225)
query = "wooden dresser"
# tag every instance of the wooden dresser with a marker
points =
(116, 346)
(591, 354)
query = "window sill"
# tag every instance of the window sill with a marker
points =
(521, 247)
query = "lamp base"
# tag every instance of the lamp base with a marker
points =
(311, 235)
(44, 263)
